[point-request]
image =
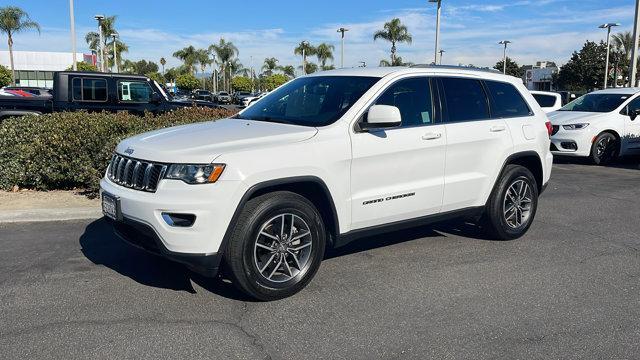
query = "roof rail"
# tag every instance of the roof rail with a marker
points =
(455, 67)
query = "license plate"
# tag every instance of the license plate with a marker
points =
(110, 206)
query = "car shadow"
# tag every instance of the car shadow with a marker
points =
(626, 162)
(101, 246)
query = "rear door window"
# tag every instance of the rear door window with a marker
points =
(464, 99)
(506, 100)
(84, 89)
(545, 100)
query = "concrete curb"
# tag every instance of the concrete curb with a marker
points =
(55, 214)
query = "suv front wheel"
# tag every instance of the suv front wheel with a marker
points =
(276, 246)
(513, 203)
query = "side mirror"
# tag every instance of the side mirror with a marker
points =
(155, 98)
(633, 114)
(382, 117)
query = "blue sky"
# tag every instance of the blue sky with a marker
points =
(539, 29)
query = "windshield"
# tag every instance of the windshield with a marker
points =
(596, 103)
(310, 101)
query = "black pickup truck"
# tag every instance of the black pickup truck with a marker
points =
(92, 91)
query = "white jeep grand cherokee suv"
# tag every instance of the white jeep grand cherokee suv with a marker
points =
(328, 158)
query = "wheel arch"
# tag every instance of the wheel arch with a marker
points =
(530, 160)
(311, 187)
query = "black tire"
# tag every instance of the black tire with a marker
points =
(241, 255)
(496, 220)
(605, 149)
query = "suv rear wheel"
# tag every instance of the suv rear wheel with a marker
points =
(277, 245)
(513, 203)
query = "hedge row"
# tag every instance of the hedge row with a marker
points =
(71, 150)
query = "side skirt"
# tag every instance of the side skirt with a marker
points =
(346, 238)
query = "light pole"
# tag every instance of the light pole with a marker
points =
(342, 31)
(634, 49)
(73, 35)
(504, 55)
(215, 75)
(441, 52)
(435, 56)
(115, 52)
(101, 48)
(607, 26)
(304, 59)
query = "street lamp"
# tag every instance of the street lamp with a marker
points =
(634, 49)
(304, 59)
(115, 53)
(435, 56)
(101, 50)
(607, 26)
(504, 55)
(342, 31)
(73, 35)
(441, 52)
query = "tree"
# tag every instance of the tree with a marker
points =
(513, 68)
(324, 52)
(187, 82)
(189, 57)
(623, 45)
(241, 83)
(83, 66)
(5, 76)
(270, 65)
(585, 70)
(140, 67)
(173, 73)
(225, 53)
(397, 61)
(107, 25)
(310, 67)
(288, 70)
(271, 82)
(202, 58)
(163, 62)
(305, 49)
(156, 76)
(394, 32)
(14, 20)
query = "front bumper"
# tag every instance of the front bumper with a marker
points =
(144, 237)
(571, 142)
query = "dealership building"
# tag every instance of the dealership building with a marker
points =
(540, 75)
(36, 68)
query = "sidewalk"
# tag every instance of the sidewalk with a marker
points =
(30, 206)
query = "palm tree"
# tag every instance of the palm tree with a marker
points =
(163, 61)
(394, 32)
(14, 20)
(188, 56)
(288, 70)
(309, 68)
(324, 52)
(305, 49)
(623, 42)
(270, 65)
(225, 52)
(120, 48)
(202, 58)
(107, 25)
(396, 62)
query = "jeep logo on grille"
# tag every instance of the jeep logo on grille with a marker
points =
(129, 151)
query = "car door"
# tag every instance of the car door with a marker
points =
(476, 143)
(631, 135)
(398, 173)
(135, 96)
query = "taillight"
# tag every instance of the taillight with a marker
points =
(549, 127)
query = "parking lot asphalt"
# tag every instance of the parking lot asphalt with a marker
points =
(569, 289)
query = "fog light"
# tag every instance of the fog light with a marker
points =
(179, 220)
(570, 145)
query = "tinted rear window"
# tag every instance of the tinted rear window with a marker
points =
(545, 100)
(506, 100)
(465, 99)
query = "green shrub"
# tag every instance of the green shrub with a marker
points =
(71, 150)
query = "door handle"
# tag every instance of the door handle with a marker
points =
(498, 128)
(431, 136)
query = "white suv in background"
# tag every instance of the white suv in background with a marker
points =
(328, 158)
(601, 125)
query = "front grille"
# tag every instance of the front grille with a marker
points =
(135, 174)
(554, 129)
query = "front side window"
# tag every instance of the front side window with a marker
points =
(310, 101)
(596, 103)
(633, 106)
(465, 99)
(89, 89)
(413, 98)
(134, 91)
(506, 100)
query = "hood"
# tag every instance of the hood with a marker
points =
(203, 142)
(574, 117)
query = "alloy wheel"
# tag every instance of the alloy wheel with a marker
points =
(517, 204)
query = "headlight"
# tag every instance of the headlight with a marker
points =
(194, 173)
(575, 126)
